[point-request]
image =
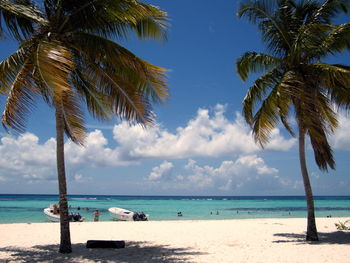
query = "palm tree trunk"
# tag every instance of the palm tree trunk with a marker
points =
(65, 245)
(311, 233)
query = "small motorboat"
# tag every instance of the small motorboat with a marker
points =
(53, 215)
(121, 214)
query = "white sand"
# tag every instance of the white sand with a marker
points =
(253, 240)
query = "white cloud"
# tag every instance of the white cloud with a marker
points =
(341, 138)
(3, 179)
(79, 178)
(162, 171)
(246, 174)
(209, 134)
(26, 157)
(95, 152)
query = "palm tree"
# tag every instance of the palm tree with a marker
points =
(67, 58)
(298, 34)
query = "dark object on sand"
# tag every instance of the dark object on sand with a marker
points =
(105, 244)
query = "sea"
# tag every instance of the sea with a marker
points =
(16, 208)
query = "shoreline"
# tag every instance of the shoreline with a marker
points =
(185, 219)
(226, 240)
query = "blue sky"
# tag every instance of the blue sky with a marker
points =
(199, 145)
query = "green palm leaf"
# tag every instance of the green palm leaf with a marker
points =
(20, 98)
(252, 62)
(257, 93)
(120, 68)
(266, 118)
(115, 18)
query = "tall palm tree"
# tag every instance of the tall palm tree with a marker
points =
(298, 34)
(67, 58)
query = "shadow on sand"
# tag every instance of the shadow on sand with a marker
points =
(338, 237)
(134, 252)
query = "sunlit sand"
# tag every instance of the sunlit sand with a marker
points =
(249, 240)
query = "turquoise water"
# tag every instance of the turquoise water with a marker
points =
(28, 208)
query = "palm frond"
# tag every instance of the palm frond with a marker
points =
(9, 69)
(335, 79)
(322, 149)
(127, 101)
(284, 103)
(20, 99)
(19, 17)
(54, 63)
(16, 25)
(148, 78)
(266, 118)
(98, 104)
(308, 42)
(116, 18)
(257, 93)
(263, 13)
(72, 115)
(252, 62)
(336, 40)
(320, 119)
(328, 10)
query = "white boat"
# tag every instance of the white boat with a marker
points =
(51, 216)
(122, 214)
(54, 217)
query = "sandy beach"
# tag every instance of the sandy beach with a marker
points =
(249, 240)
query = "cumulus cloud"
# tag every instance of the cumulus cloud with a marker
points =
(162, 171)
(208, 134)
(341, 139)
(26, 157)
(246, 174)
(95, 152)
(79, 178)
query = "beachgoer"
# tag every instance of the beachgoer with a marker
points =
(96, 215)
(179, 214)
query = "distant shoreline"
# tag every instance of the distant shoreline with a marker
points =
(187, 220)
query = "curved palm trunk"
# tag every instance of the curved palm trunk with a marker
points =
(311, 233)
(65, 245)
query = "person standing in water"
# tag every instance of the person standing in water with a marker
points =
(96, 215)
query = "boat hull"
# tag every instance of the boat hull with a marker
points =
(120, 214)
(56, 217)
(51, 216)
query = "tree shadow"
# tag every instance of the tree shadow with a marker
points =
(134, 252)
(338, 237)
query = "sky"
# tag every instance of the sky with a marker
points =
(199, 144)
